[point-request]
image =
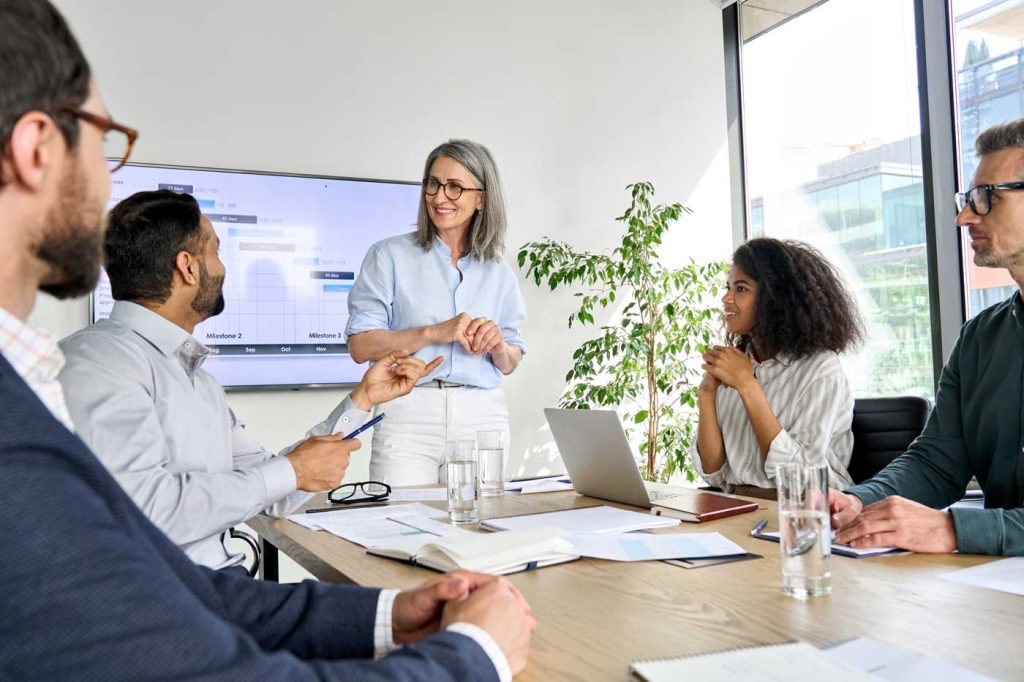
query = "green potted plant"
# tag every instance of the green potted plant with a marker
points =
(646, 360)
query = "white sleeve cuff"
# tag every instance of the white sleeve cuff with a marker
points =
(782, 450)
(383, 634)
(487, 643)
(278, 478)
(348, 419)
(717, 479)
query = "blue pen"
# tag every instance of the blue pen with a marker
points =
(758, 528)
(364, 426)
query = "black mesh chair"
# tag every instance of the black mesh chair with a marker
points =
(883, 428)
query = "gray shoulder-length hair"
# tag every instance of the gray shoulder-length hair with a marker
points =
(487, 233)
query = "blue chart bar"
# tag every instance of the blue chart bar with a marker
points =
(307, 261)
(206, 203)
(243, 232)
(337, 288)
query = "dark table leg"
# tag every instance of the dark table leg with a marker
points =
(268, 564)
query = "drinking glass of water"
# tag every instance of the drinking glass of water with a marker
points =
(460, 460)
(804, 533)
(490, 452)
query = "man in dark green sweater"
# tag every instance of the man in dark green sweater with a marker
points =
(976, 426)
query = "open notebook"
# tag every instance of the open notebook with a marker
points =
(494, 553)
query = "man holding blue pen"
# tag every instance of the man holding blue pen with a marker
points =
(138, 396)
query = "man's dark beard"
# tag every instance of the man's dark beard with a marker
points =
(73, 242)
(209, 301)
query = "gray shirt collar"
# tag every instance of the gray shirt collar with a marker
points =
(164, 335)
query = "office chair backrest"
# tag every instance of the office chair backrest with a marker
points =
(883, 428)
(254, 546)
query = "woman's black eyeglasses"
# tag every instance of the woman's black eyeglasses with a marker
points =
(349, 493)
(452, 189)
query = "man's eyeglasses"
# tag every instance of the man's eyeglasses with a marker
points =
(452, 189)
(979, 197)
(118, 139)
(367, 491)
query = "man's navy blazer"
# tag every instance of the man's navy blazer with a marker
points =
(91, 590)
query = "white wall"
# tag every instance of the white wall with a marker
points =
(576, 99)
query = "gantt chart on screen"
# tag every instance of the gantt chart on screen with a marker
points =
(292, 247)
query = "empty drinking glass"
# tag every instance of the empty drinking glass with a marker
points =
(490, 452)
(461, 467)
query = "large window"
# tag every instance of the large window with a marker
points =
(989, 64)
(832, 145)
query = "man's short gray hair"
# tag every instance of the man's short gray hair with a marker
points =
(487, 234)
(1001, 136)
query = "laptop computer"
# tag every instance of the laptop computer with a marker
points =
(600, 460)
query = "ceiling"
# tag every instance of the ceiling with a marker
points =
(1003, 18)
(760, 16)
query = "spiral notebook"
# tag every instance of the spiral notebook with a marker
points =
(579, 520)
(769, 663)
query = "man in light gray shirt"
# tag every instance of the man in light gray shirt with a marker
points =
(138, 395)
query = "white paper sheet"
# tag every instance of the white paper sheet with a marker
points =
(778, 663)
(397, 525)
(896, 664)
(650, 547)
(418, 494)
(1005, 575)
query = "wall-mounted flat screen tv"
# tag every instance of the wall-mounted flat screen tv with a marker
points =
(292, 246)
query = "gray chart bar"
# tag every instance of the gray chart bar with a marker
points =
(231, 218)
(180, 189)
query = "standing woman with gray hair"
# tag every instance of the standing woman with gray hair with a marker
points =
(442, 290)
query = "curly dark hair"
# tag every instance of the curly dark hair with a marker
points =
(803, 305)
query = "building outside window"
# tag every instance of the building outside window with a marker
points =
(988, 47)
(833, 157)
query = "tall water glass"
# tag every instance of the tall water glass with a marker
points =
(460, 460)
(490, 453)
(804, 531)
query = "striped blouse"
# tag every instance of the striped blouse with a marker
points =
(811, 398)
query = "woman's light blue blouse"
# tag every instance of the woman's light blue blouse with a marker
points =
(401, 286)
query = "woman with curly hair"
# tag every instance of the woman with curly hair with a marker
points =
(777, 391)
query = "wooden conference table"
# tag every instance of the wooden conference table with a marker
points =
(594, 617)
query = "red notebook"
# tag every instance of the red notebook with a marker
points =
(700, 505)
